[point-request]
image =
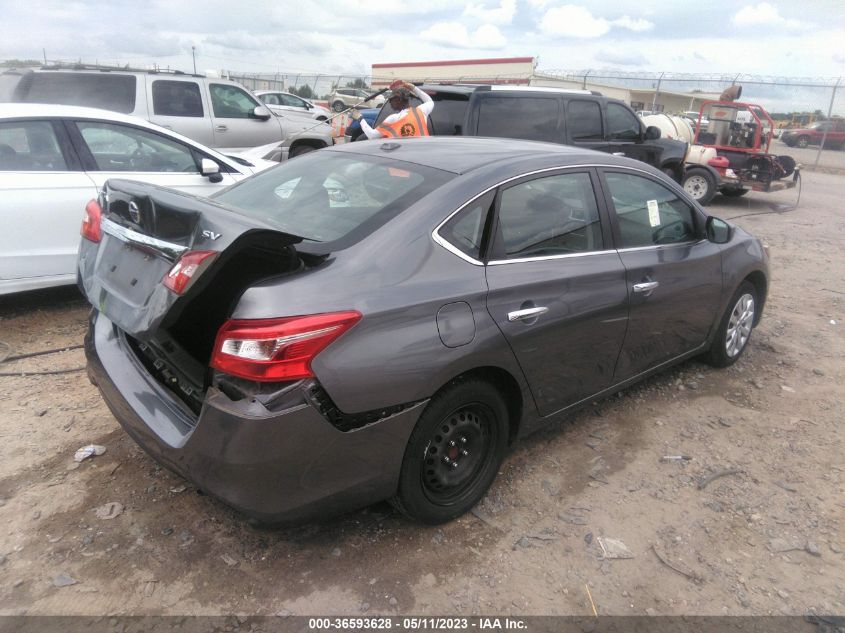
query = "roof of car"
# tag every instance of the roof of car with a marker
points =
(468, 89)
(51, 110)
(461, 154)
(20, 110)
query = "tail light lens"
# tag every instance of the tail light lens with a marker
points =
(187, 269)
(91, 229)
(275, 350)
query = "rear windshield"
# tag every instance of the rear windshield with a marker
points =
(102, 90)
(332, 199)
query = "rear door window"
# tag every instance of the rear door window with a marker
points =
(177, 98)
(30, 146)
(583, 120)
(649, 214)
(101, 90)
(465, 231)
(553, 215)
(532, 118)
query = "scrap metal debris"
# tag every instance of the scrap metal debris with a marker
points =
(707, 480)
(88, 451)
(613, 548)
(675, 566)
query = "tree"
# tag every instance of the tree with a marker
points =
(357, 83)
(20, 63)
(304, 91)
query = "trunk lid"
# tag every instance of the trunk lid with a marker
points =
(146, 229)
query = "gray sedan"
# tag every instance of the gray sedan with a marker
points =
(383, 320)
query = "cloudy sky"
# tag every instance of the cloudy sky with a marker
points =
(783, 38)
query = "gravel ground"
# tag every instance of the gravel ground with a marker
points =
(765, 537)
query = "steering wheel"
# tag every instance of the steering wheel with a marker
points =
(671, 233)
(137, 158)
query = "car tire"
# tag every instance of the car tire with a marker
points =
(734, 193)
(299, 150)
(454, 452)
(803, 141)
(700, 185)
(338, 106)
(735, 328)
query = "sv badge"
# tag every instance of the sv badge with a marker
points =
(211, 234)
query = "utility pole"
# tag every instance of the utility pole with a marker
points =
(194, 57)
(44, 50)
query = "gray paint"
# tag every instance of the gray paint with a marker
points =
(418, 300)
(456, 324)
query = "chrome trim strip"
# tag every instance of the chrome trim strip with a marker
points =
(659, 246)
(500, 262)
(169, 250)
(438, 239)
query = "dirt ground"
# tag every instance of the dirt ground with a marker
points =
(766, 539)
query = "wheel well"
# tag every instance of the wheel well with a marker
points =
(507, 386)
(758, 280)
(674, 169)
(307, 141)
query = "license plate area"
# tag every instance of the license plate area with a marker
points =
(129, 272)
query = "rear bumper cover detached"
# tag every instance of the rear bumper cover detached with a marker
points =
(275, 466)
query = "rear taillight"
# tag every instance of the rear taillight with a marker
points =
(274, 350)
(187, 269)
(91, 229)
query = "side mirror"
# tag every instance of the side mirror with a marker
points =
(718, 231)
(211, 170)
(261, 112)
(309, 106)
(652, 133)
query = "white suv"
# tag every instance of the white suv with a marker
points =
(215, 112)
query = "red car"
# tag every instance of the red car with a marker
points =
(813, 134)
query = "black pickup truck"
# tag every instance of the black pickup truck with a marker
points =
(571, 117)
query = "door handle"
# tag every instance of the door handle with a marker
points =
(646, 287)
(528, 313)
(221, 128)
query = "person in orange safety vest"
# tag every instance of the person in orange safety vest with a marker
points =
(406, 120)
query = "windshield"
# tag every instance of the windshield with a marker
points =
(334, 199)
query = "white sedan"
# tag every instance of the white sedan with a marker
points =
(286, 102)
(54, 159)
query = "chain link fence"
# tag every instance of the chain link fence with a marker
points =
(808, 111)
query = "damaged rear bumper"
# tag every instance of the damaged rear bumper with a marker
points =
(275, 466)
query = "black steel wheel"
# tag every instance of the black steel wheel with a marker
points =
(454, 452)
(338, 106)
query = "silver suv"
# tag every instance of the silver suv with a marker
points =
(216, 112)
(343, 98)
